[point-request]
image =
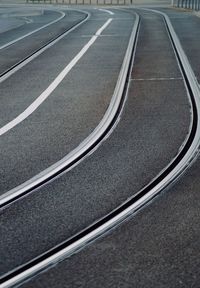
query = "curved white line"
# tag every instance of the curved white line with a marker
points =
(34, 31)
(73, 247)
(84, 145)
(183, 164)
(28, 21)
(53, 85)
(35, 55)
(107, 11)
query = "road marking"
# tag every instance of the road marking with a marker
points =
(107, 11)
(54, 84)
(81, 151)
(27, 20)
(34, 31)
(24, 62)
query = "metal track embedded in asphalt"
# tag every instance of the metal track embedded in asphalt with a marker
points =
(17, 66)
(88, 145)
(34, 31)
(182, 161)
(104, 129)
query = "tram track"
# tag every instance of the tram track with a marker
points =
(84, 149)
(179, 164)
(31, 56)
(34, 31)
(107, 124)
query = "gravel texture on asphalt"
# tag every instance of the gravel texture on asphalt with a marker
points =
(13, 54)
(159, 247)
(153, 126)
(73, 110)
(186, 25)
(32, 20)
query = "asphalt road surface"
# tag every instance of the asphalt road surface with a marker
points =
(70, 114)
(158, 246)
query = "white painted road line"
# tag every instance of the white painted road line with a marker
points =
(107, 11)
(98, 33)
(54, 84)
(68, 250)
(34, 31)
(36, 54)
(28, 21)
(80, 152)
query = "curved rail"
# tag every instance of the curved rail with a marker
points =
(186, 155)
(87, 146)
(17, 66)
(34, 31)
(107, 125)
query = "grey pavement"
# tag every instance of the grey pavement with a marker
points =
(25, 47)
(72, 111)
(153, 126)
(32, 20)
(9, 24)
(186, 25)
(158, 247)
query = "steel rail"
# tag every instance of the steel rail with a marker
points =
(183, 160)
(17, 66)
(34, 31)
(112, 118)
(85, 148)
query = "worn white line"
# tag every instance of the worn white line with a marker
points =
(107, 11)
(34, 31)
(35, 55)
(117, 219)
(108, 118)
(28, 21)
(143, 200)
(54, 84)
(88, 142)
(67, 251)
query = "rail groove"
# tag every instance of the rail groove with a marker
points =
(85, 148)
(183, 160)
(34, 31)
(17, 66)
(106, 127)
